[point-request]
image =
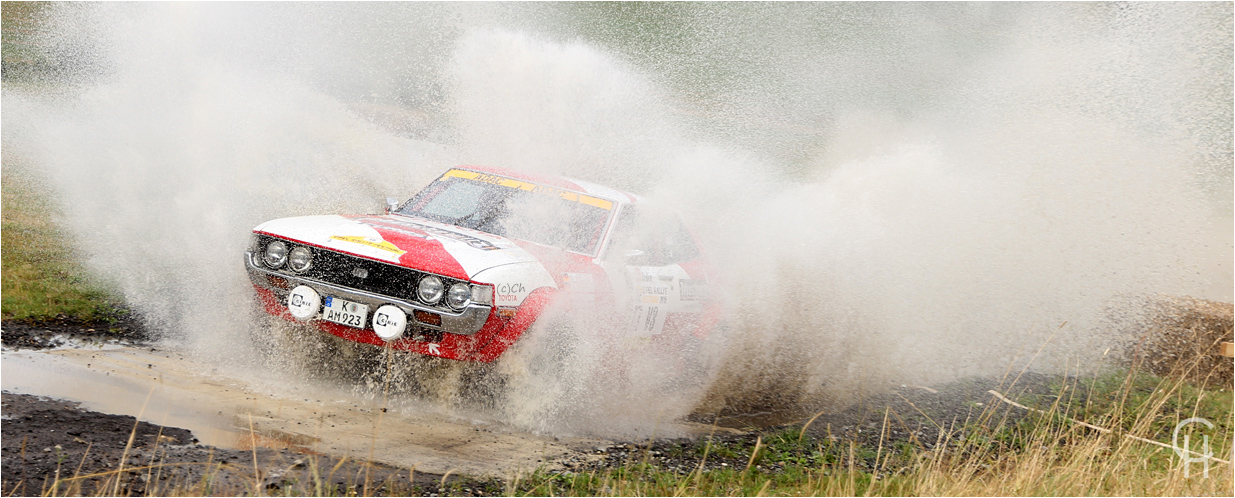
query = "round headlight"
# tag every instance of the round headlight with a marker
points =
(430, 290)
(276, 254)
(458, 296)
(300, 259)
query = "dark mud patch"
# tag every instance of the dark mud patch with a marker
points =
(64, 330)
(52, 446)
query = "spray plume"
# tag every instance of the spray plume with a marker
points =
(892, 193)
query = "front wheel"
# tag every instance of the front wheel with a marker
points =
(539, 381)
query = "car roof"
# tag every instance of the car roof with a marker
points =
(580, 186)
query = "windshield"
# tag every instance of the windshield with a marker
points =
(515, 209)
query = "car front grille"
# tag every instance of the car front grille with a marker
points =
(355, 272)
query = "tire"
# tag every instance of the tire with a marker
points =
(535, 383)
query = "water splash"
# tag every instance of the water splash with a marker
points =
(892, 192)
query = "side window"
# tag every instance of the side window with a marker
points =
(651, 238)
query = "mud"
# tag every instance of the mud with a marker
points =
(198, 432)
(64, 330)
(200, 426)
(46, 439)
(44, 436)
(225, 409)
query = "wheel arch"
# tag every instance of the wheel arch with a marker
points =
(528, 313)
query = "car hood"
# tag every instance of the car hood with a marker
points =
(412, 242)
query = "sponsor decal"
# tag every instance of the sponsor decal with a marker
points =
(382, 320)
(530, 187)
(375, 243)
(652, 305)
(654, 290)
(390, 225)
(654, 294)
(646, 321)
(693, 289)
(434, 349)
(510, 293)
(393, 225)
(650, 323)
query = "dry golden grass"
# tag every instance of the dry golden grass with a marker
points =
(1107, 436)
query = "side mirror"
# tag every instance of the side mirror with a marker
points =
(391, 204)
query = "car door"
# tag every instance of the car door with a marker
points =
(646, 263)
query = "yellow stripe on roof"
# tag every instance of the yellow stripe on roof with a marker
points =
(459, 173)
(529, 186)
(594, 201)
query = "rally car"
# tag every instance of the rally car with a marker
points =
(469, 264)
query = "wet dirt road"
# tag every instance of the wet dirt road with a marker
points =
(167, 387)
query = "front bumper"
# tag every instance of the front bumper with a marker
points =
(465, 322)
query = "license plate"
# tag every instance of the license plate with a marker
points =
(345, 312)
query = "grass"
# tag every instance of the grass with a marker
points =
(1046, 453)
(40, 272)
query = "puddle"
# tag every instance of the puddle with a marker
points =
(103, 384)
(165, 387)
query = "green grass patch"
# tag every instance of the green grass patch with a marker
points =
(41, 274)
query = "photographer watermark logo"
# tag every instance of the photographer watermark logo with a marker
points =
(1186, 455)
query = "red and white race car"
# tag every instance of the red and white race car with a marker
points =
(466, 266)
